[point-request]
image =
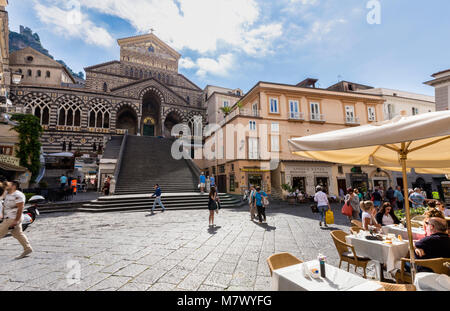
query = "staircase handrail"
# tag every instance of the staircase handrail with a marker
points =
(193, 167)
(119, 158)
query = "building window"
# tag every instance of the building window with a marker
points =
(29, 72)
(275, 128)
(415, 111)
(274, 105)
(99, 115)
(105, 87)
(47, 74)
(340, 170)
(350, 114)
(221, 169)
(294, 111)
(69, 111)
(315, 111)
(39, 73)
(40, 106)
(390, 111)
(275, 143)
(255, 112)
(188, 99)
(371, 114)
(252, 125)
(226, 103)
(253, 153)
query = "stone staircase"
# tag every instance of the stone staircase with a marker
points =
(112, 148)
(148, 160)
(145, 162)
(171, 201)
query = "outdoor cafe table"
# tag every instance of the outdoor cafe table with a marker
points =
(291, 278)
(418, 233)
(379, 251)
(426, 281)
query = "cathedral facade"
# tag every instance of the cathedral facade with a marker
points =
(141, 94)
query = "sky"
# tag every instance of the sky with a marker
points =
(393, 44)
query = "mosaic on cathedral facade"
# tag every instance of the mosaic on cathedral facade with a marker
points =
(143, 94)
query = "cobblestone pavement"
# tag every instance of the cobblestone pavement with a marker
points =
(174, 250)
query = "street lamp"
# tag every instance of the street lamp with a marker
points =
(16, 77)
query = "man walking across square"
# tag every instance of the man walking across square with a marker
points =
(13, 216)
(157, 196)
(202, 183)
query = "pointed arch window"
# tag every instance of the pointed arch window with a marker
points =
(69, 111)
(39, 104)
(99, 114)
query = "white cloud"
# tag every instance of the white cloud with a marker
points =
(219, 67)
(203, 26)
(186, 63)
(319, 29)
(70, 23)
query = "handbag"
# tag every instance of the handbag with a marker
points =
(329, 217)
(314, 209)
(347, 209)
(265, 202)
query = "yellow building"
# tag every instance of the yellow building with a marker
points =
(270, 114)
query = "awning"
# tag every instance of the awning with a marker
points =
(12, 168)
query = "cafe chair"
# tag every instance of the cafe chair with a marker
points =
(388, 287)
(438, 265)
(357, 223)
(347, 252)
(281, 260)
(355, 230)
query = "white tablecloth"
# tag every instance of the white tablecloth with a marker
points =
(388, 254)
(425, 281)
(418, 233)
(292, 279)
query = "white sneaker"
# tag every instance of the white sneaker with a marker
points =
(25, 253)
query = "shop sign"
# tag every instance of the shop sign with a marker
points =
(9, 160)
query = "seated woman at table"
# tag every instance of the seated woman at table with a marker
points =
(367, 217)
(386, 215)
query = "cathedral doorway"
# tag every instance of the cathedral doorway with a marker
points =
(149, 127)
(151, 115)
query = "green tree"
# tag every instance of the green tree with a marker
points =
(226, 110)
(30, 130)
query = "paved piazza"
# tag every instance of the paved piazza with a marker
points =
(174, 250)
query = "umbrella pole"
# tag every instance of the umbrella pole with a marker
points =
(403, 158)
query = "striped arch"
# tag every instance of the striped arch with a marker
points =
(130, 105)
(155, 91)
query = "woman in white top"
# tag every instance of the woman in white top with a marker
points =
(367, 217)
(386, 216)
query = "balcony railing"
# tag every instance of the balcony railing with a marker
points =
(296, 116)
(240, 112)
(316, 117)
(249, 113)
(352, 120)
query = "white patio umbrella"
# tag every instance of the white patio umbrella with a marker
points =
(421, 142)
